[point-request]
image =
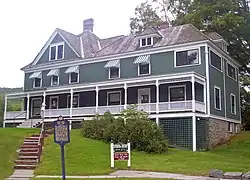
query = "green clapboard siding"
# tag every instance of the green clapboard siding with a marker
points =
(232, 86)
(178, 131)
(68, 52)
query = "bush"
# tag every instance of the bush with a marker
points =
(132, 125)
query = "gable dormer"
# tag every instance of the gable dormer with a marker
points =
(218, 40)
(149, 37)
(61, 45)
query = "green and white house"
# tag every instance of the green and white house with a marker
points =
(184, 79)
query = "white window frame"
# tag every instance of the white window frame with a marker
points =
(177, 86)
(52, 97)
(113, 92)
(231, 94)
(216, 87)
(235, 71)
(56, 45)
(149, 69)
(210, 60)
(69, 103)
(35, 83)
(188, 49)
(119, 74)
(139, 93)
(146, 40)
(51, 81)
(77, 78)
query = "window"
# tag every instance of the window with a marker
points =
(114, 98)
(184, 58)
(146, 42)
(217, 98)
(144, 68)
(56, 51)
(231, 71)
(37, 82)
(215, 60)
(224, 46)
(177, 93)
(114, 72)
(76, 101)
(233, 103)
(54, 101)
(230, 127)
(73, 77)
(54, 80)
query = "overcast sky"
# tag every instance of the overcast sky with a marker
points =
(27, 24)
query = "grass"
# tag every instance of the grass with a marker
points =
(89, 157)
(10, 141)
(102, 179)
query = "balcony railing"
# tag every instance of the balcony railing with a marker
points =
(115, 109)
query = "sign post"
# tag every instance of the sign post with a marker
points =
(62, 137)
(120, 152)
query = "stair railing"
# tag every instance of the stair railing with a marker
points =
(21, 113)
(41, 142)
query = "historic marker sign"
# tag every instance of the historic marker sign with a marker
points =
(120, 152)
(62, 137)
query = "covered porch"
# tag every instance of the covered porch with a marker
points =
(166, 94)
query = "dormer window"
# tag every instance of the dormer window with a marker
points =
(146, 42)
(56, 51)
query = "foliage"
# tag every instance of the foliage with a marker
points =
(90, 157)
(132, 125)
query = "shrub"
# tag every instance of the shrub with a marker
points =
(132, 125)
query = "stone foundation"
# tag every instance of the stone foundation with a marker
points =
(218, 132)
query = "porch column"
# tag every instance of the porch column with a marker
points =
(28, 106)
(157, 96)
(205, 97)
(193, 117)
(43, 105)
(5, 108)
(71, 107)
(96, 99)
(193, 94)
(125, 96)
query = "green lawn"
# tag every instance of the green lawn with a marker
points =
(89, 157)
(103, 179)
(10, 141)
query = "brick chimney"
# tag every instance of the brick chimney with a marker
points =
(88, 24)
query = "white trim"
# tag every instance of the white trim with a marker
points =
(224, 88)
(157, 97)
(188, 49)
(34, 83)
(44, 48)
(239, 95)
(56, 45)
(81, 46)
(5, 105)
(54, 97)
(31, 109)
(231, 94)
(230, 127)
(51, 81)
(210, 61)
(193, 94)
(113, 92)
(119, 73)
(176, 86)
(235, 71)
(218, 88)
(139, 92)
(146, 41)
(78, 76)
(207, 79)
(194, 131)
(163, 49)
(74, 94)
(149, 69)
(28, 106)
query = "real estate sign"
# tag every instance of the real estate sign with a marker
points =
(120, 152)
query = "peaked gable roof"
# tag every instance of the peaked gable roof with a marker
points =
(72, 40)
(149, 31)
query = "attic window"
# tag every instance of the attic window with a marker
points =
(56, 51)
(146, 42)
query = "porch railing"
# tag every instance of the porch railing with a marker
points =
(116, 109)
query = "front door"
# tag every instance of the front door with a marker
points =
(143, 96)
(36, 107)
